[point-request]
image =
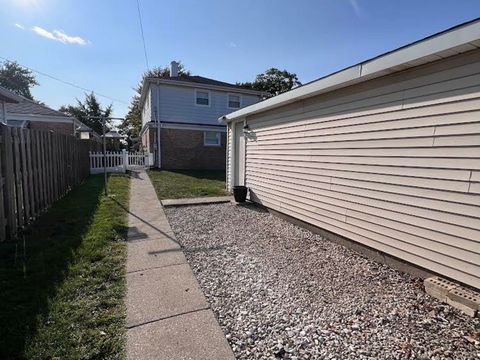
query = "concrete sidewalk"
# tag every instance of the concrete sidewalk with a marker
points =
(168, 316)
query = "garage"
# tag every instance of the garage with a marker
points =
(385, 153)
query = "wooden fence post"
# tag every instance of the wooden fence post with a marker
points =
(17, 165)
(25, 176)
(3, 218)
(125, 160)
(9, 186)
(36, 169)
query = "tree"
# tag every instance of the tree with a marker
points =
(273, 81)
(132, 125)
(89, 111)
(17, 79)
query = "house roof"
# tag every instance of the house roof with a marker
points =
(203, 80)
(196, 81)
(29, 107)
(24, 109)
(83, 128)
(456, 40)
(8, 97)
(113, 134)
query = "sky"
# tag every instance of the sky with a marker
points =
(97, 44)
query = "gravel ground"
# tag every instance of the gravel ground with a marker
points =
(280, 291)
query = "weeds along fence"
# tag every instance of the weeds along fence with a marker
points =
(36, 169)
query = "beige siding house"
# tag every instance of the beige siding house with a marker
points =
(385, 153)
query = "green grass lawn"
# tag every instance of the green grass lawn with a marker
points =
(63, 285)
(188, 183)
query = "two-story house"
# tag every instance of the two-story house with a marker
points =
(180, 114)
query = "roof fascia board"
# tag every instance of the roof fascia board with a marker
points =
(345, 77)
(428, 47)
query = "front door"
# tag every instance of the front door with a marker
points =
(239, 170)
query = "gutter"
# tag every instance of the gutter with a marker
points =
(4, 113)
(40, 118)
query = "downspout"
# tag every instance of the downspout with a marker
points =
(4, 113)
(157, 118)
(227, 175)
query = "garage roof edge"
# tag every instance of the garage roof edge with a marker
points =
(399, 59)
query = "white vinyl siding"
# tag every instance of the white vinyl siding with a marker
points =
(392, 163)
(177, 104)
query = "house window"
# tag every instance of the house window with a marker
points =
(211, 138)
(234, 101)
(202, 98)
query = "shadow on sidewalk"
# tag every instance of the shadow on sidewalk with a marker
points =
(142, 236)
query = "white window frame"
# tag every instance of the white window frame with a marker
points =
(239, 98)
(209, 97)
(218, 135)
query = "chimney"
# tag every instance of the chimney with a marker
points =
(173, 69)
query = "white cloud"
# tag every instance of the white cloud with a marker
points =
(357, 9)
(232, 44)
(59, 35)
(44, 33)
(20, 26)
(67, 39)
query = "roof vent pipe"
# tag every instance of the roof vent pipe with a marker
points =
(173, 69)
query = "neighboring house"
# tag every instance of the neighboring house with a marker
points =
(6, 97)
(25, 113)
(385, 153)
(181, 111)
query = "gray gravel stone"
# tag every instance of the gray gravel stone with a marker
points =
(282, 292)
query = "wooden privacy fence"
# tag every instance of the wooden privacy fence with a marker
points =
(36, 168)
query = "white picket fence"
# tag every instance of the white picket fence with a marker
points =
(119, 161)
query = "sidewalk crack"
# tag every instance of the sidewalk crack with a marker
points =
(167, 317)
(157, 267)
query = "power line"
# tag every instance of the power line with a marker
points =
(67, 82)
(143, 36)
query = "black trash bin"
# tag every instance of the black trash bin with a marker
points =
(240, 193)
